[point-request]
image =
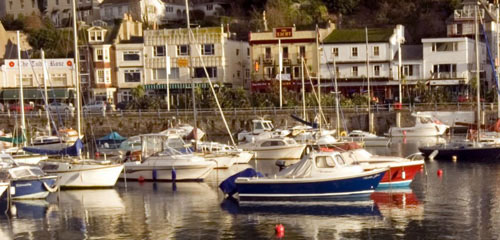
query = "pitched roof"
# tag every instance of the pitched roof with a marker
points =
(358, 35)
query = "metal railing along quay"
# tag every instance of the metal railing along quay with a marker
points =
(263, 111)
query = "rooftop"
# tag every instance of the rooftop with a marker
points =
(358, 35)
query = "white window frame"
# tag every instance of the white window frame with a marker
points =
(376, 51)
(181, 51)
(354, 52)
(335, 52)
(131, 52)
(159, 53)
(354, 71)
(133, 71)
(376, 72)
(210, 51)
(106, 77)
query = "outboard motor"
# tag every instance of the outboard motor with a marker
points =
(281, 164)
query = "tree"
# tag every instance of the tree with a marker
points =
(138, 92)
(342, 6)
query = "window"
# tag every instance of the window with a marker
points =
(22, 4)
(444, 71)
(132, 75)
(103, 76)
(335, 52)
(376, 51)
(208, 49)
(376, 70)
(83, 57)
(355, 71)
(302, 51)
(160, 73)
(131, 56)
(58, 78)
(57, 2)
(248, 51)
(269, 72)
(27, 79)
(268, 52)
(237, 52)
(285, 52)
(210, 7)
(325, 162)
(67, 1)
(84, 78)
(200, 72)
(408, 70)
(10, 5)
(159, 51)
(247, 73)
(445, 46)
(238, 73)
(99, 54)
(183, 50)
(33, 3)
(169, 9)
(296, 72)
(354, 52)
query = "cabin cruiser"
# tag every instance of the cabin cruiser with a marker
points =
(275, 148)
(425, 125)
(224, 155)
(159, 162)
(368, 139)
(261, 129)
(317, 175)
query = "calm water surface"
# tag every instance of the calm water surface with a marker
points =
(462, 204)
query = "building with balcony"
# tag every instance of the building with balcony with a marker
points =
(295, 45)
(348, 48)
(226, 60)
(20, 7)
(452, 62)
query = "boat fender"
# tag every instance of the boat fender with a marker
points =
(154, 173)
(50, 189)
(343, 134)
(174, 174)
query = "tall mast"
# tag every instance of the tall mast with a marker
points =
(167, 72)
(370, 125)
(477, 75)
(303, 88)
(195, 130)
(337, 107)
(280, 70)
(76, 68)
(21, 92)
(45, 77)
(318, 52)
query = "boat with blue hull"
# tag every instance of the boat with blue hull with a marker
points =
(318, 175)
(26, 182)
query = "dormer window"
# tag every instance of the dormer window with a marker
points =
(96, 35)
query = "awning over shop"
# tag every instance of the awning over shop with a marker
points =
(37, 94)
(174, 86)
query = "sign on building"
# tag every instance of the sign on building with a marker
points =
(283, 32)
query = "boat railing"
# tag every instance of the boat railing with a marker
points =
(414, 156)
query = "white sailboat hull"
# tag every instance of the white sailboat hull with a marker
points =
(159, 171)
(423, 131)
(244, 157)
(84, 175)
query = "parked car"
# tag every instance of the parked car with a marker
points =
(61, 107)
(98, 106)
(17, 108)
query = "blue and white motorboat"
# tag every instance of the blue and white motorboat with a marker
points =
(317, 175)
(26, 182)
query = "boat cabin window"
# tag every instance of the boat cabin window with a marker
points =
(37, 172)
(258, 126)
(325, 162)
(339, 160)
(425, 120)
(272, 143)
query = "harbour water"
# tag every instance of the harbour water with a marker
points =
(463, 203)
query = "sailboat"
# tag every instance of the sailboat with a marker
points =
(78, 172)
(467, 150)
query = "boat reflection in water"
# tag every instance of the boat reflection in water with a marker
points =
(399, 206)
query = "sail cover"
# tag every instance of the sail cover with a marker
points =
(311, 124)
(74, 150)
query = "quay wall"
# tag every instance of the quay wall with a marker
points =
(210, 121)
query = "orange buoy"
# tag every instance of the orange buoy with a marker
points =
(440, 172)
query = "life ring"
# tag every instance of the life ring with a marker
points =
(343, 134)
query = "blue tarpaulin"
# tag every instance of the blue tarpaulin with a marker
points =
(74, 150)
(228, 186)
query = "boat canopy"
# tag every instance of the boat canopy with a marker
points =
(113, 137)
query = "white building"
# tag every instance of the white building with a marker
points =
(20, 7)
(227, 61)
(151, 11)
(452, 61)
(61, 81)
(349, 50)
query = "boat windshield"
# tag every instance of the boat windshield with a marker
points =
(325, 162)
(169, 152)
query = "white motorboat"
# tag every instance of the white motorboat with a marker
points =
(425, 126)
(224, 155)
(160, 162)
(85, 173)
(186, 131)
(23, 158)
(368, 139)
(261, 129)
(275, 149)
